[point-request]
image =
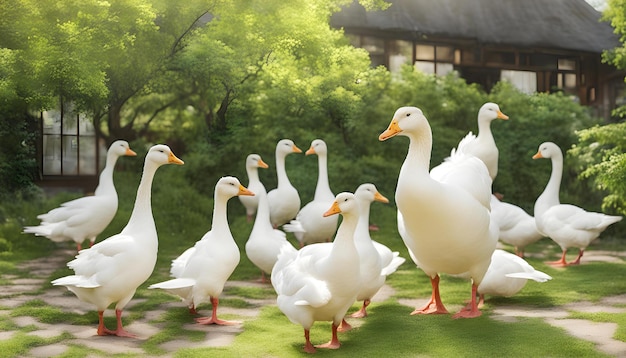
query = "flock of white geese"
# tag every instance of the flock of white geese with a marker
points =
(448, 219)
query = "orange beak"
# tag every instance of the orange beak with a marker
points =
(244, 191)
(379, 197)
(502, 116)
(130, 152)
(391, 131)
(537, 156)
(296, 149)
(174, 159)
(262, 164)
(333, 209)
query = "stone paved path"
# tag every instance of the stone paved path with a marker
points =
(21, 290)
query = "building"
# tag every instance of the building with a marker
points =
(538, 45)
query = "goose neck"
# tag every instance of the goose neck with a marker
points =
(363, 223)
(220, 209)
(551, 192)
(253, 174)
(280, 170)
(344, 239)
(105, 181)
(322, 189)
(418, 155)
(141, 218)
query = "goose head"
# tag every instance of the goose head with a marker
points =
(548, 150)
(490, 111)
(161, 154)
(318, 147)
(229, 187)
(286, 146)
(254, 161)
(369, 193)
(405, 121)
(345, 203)
(121, 148)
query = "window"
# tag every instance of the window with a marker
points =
(69, 143)
(400, 53)
(436, 59)
(525, 81)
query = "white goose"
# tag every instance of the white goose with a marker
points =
(517, 228)
(507, 275)
(86, 217)
(446, 212)
(484, 146)
(376, 260)
(202, 270)
(253, 163)
(265, 243)
(317, 283)
(568, 225)
(111, 270)
(284, 200)
(310, 226)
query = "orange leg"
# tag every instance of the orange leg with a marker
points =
(119, 331)
(308, 347)
(344, 326)
(577, 261)
(434, 306)
(471, 310)
(213, 319)
(334, 342)
(362, 312)
(559, 263)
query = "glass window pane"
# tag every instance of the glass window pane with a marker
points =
(87, 160)
(445, 54)
(570, 80)
(525, 81)
(70, 119)
(51, 154)
(52, 122)
(425, 66)
(374, 45)
(425, 52)
(400, 53)
(70, 155)
(566, 64)
(444, 68)
(86, 125)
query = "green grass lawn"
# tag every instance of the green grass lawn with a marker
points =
(183, 216)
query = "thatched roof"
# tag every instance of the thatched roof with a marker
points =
(560, 24)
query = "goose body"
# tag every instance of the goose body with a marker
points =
(446, 212)
(253, 163)
(86, 217)
(517, 227)
(265, 243)
(310, 226)
(201, 271)
(507, 275)
(284, 200)
(111, 270)
(483, 145)
(568, 225)
(376, 260)
(320, 281)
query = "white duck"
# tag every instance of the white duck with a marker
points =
(202, 270)
(265, 243)
(376, 260)
(446, 212)
(253, 163)
(310, 226)
(86, 217)
(517, 228)
(568, 225)
(484, 146)
(507, 275)
(317, 283)
(111, 270)
(284, 200)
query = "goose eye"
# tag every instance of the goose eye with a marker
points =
(408, 114)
